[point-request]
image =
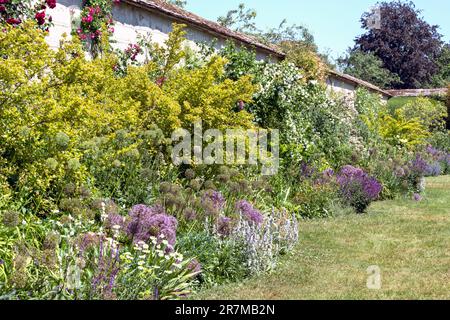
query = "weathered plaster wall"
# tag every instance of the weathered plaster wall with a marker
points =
(348, 89)
(342, 87)
(130, 22)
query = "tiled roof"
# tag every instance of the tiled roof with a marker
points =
(358, 82)
(418, 92)
(176, 13)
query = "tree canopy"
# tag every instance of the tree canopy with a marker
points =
(406, 44)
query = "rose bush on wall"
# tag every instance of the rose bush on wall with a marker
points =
(14, 12)
(96, 22)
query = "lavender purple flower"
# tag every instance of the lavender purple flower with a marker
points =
(306, 171)
(108, 268)
(433, 170)
(418, 167)
(357, 188)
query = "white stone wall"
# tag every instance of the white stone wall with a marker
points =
(341, 87)
(62, 19)
(347, 89)
(130, 22)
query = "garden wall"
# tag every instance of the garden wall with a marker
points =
(130, 21)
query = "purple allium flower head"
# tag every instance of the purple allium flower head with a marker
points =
(417, 197)
(249, 212)
(224, 226)
(216, 198)
(151, 221)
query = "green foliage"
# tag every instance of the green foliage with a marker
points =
(54, 103)
(222, 261)
(306, 59)
(442, 79)
(314, 200)
(432, 114)
(398, 102)
(241, 19)
(440, 140)
(240, 61)
(398, 128)
(400, 131)
(151, 273)
(368, 67)
(305, 114)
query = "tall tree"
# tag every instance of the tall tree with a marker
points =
(179, 3)
(368, 67)
(295, 40)
(406, 44)
(442, 79)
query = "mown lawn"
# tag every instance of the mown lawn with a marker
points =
(408, 241)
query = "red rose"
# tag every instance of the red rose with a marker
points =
(13, 21)
(40, 17)
(2, 9)
(51, 3)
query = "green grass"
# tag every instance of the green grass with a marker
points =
(408, 241)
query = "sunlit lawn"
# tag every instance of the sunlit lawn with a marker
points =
(408, 241)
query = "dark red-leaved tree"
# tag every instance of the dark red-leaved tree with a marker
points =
(404, 41)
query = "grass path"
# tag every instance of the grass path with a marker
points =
(408, 241)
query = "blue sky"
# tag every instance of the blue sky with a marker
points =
(334, 23)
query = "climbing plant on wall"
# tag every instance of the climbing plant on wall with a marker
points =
(14, 12)
(95, 22)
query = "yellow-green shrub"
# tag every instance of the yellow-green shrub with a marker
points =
(400, 131)
(431, 113)
(203, 95)
(52, 102)
(309, 63)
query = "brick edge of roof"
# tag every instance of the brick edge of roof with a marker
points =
(202, 23)
(418, 92)
(359, 82)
